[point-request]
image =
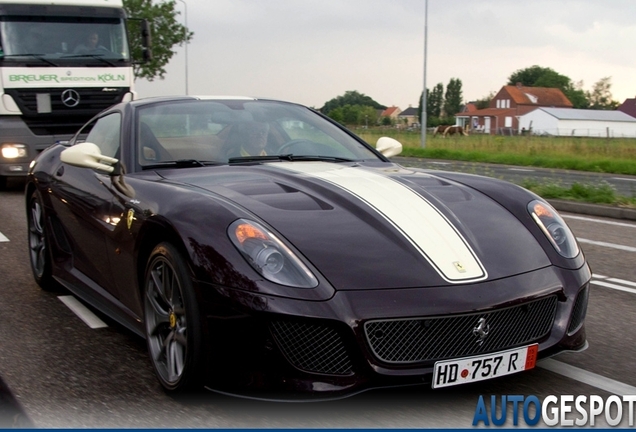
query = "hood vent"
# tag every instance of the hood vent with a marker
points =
(279, 196)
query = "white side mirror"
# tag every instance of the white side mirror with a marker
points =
(389, 146)
(88, 155)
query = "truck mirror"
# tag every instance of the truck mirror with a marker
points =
(146, 40)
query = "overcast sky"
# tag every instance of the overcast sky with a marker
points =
(309, 51)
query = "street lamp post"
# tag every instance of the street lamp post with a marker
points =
(424, 115)
(185, 15)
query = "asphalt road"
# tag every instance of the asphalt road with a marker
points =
(58, 372)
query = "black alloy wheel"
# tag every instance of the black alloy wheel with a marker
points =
(173, 327)
(39, 254)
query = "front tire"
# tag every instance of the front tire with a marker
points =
(172, 321)
(39, 253)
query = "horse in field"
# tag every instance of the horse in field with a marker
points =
(452, 130)
(445, 130)
(439, 130)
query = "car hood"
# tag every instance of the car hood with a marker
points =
(378, 225)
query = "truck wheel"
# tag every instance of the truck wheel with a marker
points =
(3, 183)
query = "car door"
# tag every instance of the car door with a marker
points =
(82, 199)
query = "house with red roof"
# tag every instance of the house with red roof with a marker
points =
(508, 105)
(391, 112)
(628, 107)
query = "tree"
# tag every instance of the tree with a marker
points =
(352, 98)
(600, 97)
(453, 98)
(528, 77)
(166, 32)
(537, 76)
(484, 102)
(354, 115)
(435, 101)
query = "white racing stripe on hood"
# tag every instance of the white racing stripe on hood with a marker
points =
(429, 231)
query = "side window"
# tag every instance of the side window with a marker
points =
(106, 134)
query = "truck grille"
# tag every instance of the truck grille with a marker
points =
(63, 119)
(418, 340)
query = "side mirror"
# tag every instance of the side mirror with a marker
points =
(88, 155)
(388, 146)
(146, 40)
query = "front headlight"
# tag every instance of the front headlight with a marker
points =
(14, 151)
(554, 228)
(269, 256)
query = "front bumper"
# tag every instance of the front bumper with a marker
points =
(272, 347)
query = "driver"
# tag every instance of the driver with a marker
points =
(90, 44)
(252, 139)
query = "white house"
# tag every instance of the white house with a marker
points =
(578, 122)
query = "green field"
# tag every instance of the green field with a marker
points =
(614, 155)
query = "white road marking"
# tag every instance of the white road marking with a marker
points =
(589, 378)
(613, 286)
(588, 219)
(521, 169)
(3, 238)
(440, 163)
(608, 245)
(614, 283)
(623, 281)
(82, 312)
(623, 178)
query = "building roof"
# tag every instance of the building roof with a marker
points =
(587, 114)
(391, 111)
(469, 107)
(410, 111)
(538, 96)
(628, 107)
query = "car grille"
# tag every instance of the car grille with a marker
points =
(312, 347)
(404, 341)
(580, 307)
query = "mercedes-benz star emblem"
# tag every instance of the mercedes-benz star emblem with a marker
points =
(481, 330)
(70, 98)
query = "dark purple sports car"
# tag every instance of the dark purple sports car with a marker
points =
(262, 249)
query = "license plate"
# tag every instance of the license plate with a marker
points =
(471, 369)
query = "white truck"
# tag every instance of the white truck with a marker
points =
(61, 62)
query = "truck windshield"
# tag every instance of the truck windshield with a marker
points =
(74, 40)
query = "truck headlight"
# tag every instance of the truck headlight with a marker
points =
(14, 151)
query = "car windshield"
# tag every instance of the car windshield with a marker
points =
(239, 131)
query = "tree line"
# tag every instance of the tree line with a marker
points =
(442, 104)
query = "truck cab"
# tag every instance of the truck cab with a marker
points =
(61, 62)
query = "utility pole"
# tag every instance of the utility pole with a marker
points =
(185, 15)
(424, 114)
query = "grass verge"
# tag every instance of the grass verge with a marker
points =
(613, 155)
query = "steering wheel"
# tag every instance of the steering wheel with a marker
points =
(294, 142)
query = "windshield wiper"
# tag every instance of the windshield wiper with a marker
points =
(286, 157)
(35, 56)
(181, 163)
(99, 57)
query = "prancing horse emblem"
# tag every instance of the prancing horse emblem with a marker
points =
(481, 330)
(130, 217)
